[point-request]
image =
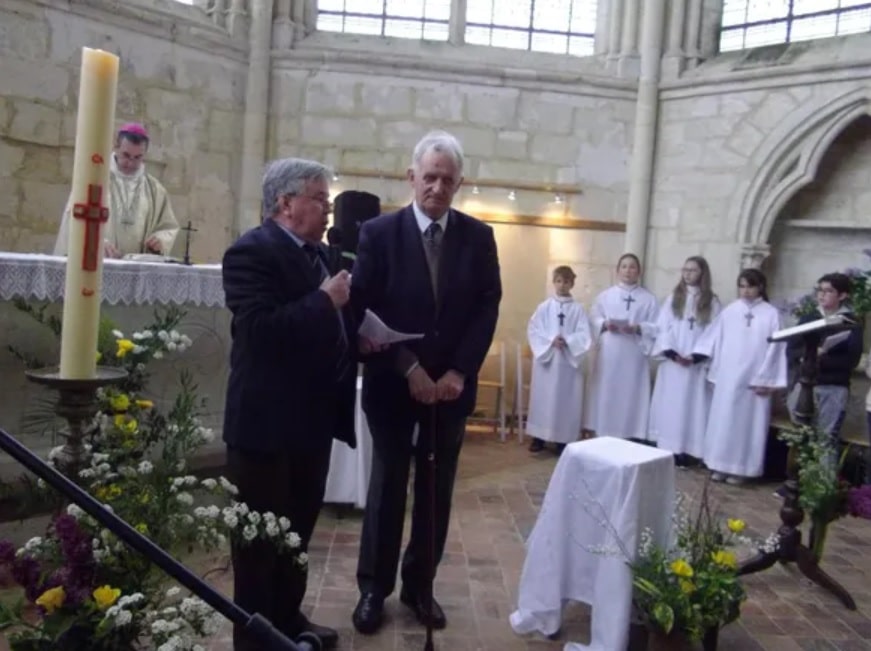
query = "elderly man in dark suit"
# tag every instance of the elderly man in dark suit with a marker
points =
(292, 383)
(425, 269)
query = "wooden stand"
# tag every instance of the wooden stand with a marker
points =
(790, 548)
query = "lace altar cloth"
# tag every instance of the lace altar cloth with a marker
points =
(41, 277)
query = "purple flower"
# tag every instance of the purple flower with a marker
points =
(26, 572)
(7, 552)
(859, 502)
(75, 544)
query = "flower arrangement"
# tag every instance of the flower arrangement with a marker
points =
(690, 586)
(80, 587)
(822, 493)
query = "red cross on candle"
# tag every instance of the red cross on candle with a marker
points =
(93, 213)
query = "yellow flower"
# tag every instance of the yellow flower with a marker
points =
(144, 404)
(687, 587)
(142, 528)
(52, 599)
(110, 492)
(121, 402)
(124, 347)
(125, 424)
(725, 559)
(681, 568)
(99, 356)
(106, 596)
(736, 526)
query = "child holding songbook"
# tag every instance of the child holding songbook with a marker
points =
(559, 337)
(682, 394)
(624, 321)
(746, 370)
(838, 356)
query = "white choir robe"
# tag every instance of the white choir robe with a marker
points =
(619, 400)
(681, 394)
(741, 358)
(556, 392)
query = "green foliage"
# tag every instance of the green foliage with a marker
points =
(89, 590)
(859, 301)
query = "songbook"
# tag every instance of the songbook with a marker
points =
(374, 329)
(835, 322)
(619, 322)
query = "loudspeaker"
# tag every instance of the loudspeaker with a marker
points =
(350, 210)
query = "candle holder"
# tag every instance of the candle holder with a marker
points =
(77, 404)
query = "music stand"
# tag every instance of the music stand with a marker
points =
(790, 548)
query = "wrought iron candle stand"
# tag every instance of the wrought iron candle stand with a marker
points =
(77, 405)
(790, 548)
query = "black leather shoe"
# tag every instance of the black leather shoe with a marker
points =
(329, 637)
(420, 607)
(369, 614)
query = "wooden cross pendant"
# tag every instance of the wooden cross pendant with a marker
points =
(562, 318)
(748, 317)
(93, 213)
(629, 301)
(692, 322)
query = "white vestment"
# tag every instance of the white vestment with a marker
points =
(681, 395)
(741, 358)
(556, 392)
(139, 209)
(619, 400)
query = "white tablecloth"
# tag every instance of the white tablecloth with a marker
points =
(41, 277)
(348, 481)
(632, 486)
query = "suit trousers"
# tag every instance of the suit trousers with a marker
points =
(381, 538)
(267, 582)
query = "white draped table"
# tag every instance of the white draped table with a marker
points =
(125, 282)
(572, 555)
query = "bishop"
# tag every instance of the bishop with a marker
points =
(141, 219)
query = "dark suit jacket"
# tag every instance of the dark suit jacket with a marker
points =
(391, 277)
(283, 394)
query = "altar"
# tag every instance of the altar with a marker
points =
(132, 290)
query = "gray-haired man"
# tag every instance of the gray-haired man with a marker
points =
(292, 383)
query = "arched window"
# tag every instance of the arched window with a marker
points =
(751, 23)
(559, 26)
(421, 19)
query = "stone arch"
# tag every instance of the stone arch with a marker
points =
(787, 161)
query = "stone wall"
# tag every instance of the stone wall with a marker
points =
(190, 96)
(738, 139)
(363, 116)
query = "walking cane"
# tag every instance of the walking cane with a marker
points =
(431, 485)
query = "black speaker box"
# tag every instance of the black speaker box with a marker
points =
(350, 210)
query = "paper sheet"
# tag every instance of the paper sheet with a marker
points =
(374, 329)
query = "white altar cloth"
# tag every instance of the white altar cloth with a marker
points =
(348, 480)
(631, 485)
(41, 277)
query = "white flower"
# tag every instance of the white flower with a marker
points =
(158, 354)
(145, 468)
(163, 335)
(185, 498)
(55, 452)
(171, 346)
(173, 592)
(241, 508)
(249, 532)
(75, 511)
(140, 367)
(117, 334)
(272, 529)
(302, 558)
(254, 517)
(209, 484)
(230, 518)
(293, 540)
(284, 523)
(227, 486)
(174, 336)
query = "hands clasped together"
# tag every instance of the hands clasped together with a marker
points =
(622, 329)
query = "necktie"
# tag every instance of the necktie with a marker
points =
(432, 240)
(343, 361)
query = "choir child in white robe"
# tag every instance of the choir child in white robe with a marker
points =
(624, 322)
(746, 370)
(559, 337)
(681, 393)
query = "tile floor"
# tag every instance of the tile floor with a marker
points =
(498, 492)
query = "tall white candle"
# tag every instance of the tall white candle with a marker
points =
(84, 280)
